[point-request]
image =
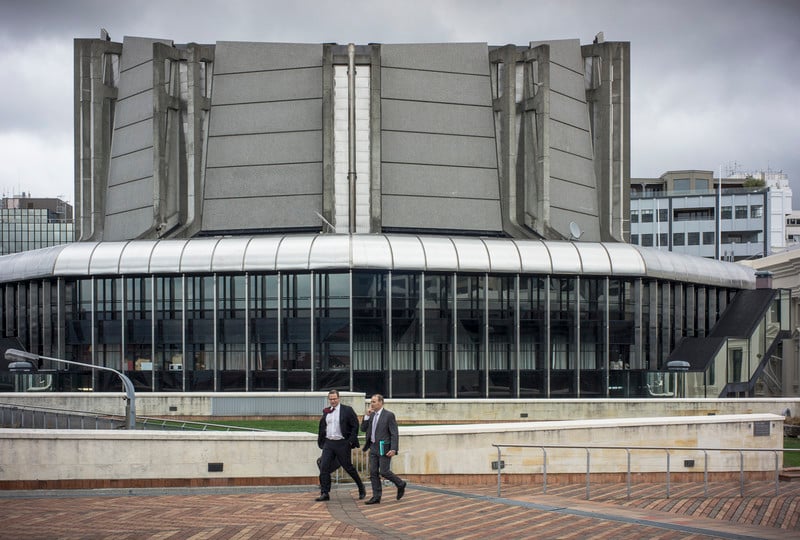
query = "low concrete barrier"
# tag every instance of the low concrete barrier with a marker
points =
(31, 459)
(418, 411)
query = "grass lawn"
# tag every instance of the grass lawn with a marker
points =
(791, 459)
(309, 426)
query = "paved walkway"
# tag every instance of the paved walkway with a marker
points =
(427, 511)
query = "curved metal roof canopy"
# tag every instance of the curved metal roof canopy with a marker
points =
(360, 251)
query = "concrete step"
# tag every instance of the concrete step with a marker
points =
(789, 474)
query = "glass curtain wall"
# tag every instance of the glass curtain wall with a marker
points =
(438, 332)
(79, 336)
(470, 325)
(139, 331)
(332, 336)
(406, 335)
(201, 365)
(428, 335)
(108, 331)
(564, 336)
(593, 359)
(371, 369)
(296, 357)
(502, 336)
(533, 321)
(232, 333)
(168, 357)
(621, 332)
(264, 324)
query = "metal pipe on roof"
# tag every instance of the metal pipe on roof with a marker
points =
(351, 132)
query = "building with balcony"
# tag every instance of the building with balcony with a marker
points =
(685, 212)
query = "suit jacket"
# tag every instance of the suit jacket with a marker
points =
(386, 431)
(348, 422)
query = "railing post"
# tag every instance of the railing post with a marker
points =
(588, 466)
(777, 474)
(544, 470)
(741, 473)
(705, 473)
(667, 451)
(628, 452)
(498, 471)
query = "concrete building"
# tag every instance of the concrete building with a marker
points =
(420, 220)
(684, 212)
(28, 223)
(784, 271)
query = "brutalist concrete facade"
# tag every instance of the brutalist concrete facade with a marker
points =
(177, 141)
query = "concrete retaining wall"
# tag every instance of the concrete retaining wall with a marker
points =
(420, 411)
(113, 458)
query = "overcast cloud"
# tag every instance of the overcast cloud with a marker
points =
(714, 83)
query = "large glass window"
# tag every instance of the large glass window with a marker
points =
(108, 306)
(438, 336)
(201, 360)
(78, 333)
(332, 301)
(168, 357)
(563, 336)
(682, 184)
(232, 333)
(139, 330)
(533, 292)
(370, 365)
(264, 325)
(591, 301)
(406, 340)
(296, 361)
(621, 336)
(501, 348)
(470, 336)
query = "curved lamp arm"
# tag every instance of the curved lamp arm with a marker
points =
(22, 361)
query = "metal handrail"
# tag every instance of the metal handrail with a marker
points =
(628, 449)
(171, 423)
(89, 420)
(14, 415)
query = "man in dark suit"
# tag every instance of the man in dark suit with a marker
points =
(337, 436)
(382, 443)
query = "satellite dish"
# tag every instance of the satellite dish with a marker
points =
(575, 231)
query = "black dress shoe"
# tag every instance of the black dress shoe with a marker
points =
(362, 493)
(323, 497)
(373, 501)
(401, 490)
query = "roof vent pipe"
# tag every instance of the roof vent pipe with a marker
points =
(351, 131)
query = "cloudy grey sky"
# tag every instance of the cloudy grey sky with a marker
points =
(714, 83)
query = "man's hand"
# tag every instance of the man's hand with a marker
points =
(390, 453)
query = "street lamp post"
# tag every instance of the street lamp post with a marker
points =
(678, 368)
(25, 362)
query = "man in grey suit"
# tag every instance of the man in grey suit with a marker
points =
(382, 443)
